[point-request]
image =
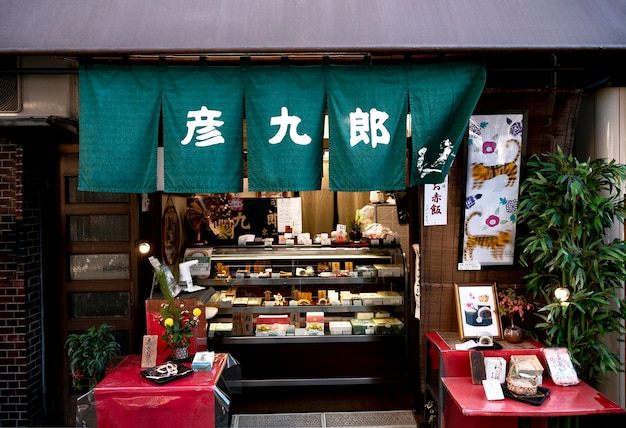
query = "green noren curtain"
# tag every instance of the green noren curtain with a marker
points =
(367, 109)
(202, 129)
(285, 128)
(202, 108)
(442, 98)
(119, 125)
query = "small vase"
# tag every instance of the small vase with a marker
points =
(355, 235)
(179, 353)
(513, 334)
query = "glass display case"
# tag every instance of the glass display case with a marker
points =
(310, 315)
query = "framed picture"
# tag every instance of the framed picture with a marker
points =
(495, 148)
(477, 310)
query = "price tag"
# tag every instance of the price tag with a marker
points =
(468, 266)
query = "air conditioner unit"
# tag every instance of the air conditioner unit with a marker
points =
(33, 89)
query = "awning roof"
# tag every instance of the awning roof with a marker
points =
(96, 27)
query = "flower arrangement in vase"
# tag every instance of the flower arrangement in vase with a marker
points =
(356, 224)
(179, 323)
(511, 304)
(178, 320)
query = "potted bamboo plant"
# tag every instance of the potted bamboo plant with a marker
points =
(564, 212)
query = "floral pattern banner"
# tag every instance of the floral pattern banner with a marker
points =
(494, 154)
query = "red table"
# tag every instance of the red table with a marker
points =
(469, 399)
(126, 398)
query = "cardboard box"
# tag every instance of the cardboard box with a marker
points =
(362, 326)
(388, 326)
(203, 361)
(340, 327)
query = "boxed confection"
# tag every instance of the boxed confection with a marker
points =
(272, 319)
(527, 365)
(366, 271)
(315, 317)
(314, 329)
(385, 270)
(495, 368)
(271, 325)
(264, 330)
(391, 297)
(314, 323)
(203, 361)
(362, 326)
(340, 327)
(370, 299)
(388, 325)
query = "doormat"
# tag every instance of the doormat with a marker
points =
(391, 419)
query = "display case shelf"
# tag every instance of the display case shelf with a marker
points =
(302, 359)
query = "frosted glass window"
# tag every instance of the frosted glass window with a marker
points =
(86, 267)
(94, 228)
(99, 305)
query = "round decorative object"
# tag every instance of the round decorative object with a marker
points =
(179, 353)
(522, 385)
(513, 334)
(171, 234)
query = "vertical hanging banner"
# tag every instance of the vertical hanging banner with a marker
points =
(442, 97)
(367, 108)
(119, 125)
(285, 128)
(436, 203)
(202, 129)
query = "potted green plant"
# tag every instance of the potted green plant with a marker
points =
(512, 304)
(91, 355)
(564, 212)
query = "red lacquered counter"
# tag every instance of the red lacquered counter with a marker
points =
(462, 404)
(125, 397)
(575, 400)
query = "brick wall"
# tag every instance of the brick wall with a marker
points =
(21, 350)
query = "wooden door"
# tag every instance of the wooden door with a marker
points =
(97, 262)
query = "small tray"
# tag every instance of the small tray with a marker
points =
(535, 400)
(159, 377)
(495, 346)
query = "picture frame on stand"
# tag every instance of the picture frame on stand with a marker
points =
(477, 311)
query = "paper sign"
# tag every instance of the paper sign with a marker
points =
(149, 351)
(436, 204)
(493, 389)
